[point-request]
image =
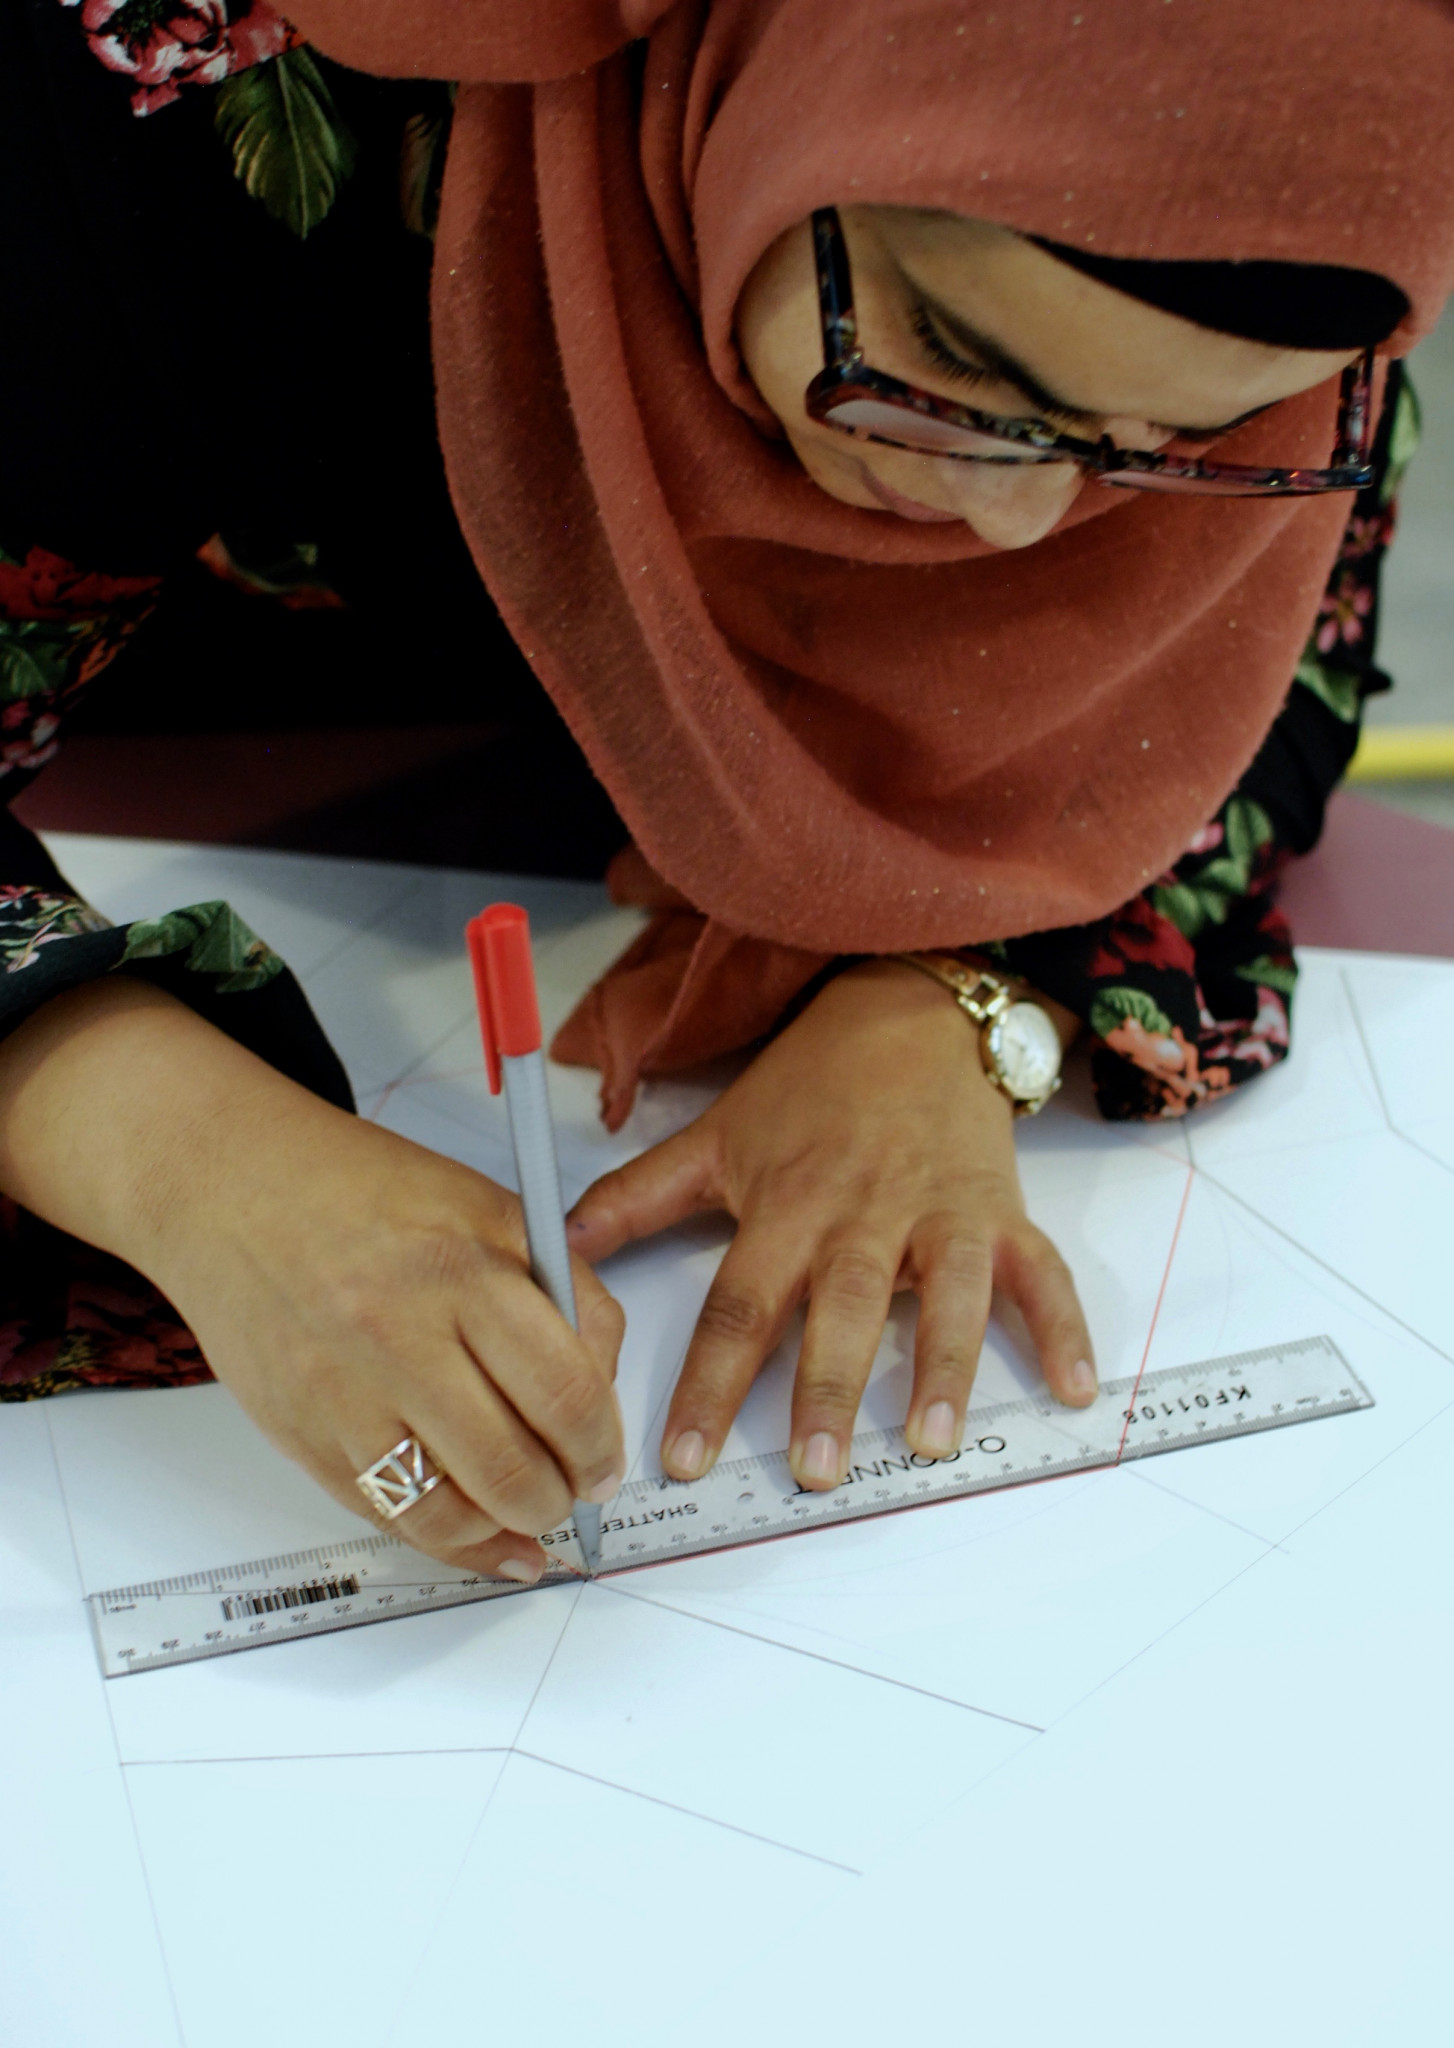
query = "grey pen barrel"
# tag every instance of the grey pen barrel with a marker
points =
(533, 1135)
(535, 1161)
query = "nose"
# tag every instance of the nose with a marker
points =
(1011, 506)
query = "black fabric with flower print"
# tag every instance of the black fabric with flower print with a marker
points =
(176, 355)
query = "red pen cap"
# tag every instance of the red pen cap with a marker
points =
(499, 944)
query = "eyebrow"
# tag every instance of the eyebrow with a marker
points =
(992, 357)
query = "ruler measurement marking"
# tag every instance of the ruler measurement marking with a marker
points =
(153, 1625)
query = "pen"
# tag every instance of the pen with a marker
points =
(499, 948)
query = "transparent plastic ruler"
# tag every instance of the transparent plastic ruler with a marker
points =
(377, 1578)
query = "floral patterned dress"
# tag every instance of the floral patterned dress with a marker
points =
(164, 397)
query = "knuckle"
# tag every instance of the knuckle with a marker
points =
(324, 1379)
(442, 1524)
(963, 1258)
(732, 1313)
(375, 1296)
(1037, 1251)
(603, 1197)
(953, 1361)
(576, 1403)
(855, 1277)
(833, 1392)
(608, 1318)
(514, 1484)
(449, 1261)
(362, 1307)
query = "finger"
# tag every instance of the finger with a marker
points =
(956, 1280)
(671, 1181)
(757, 1287)
(446, 1526)
(475, 1435)
(1036, 1278)
(851, 1288)
(602, 1318)
(557, 1387)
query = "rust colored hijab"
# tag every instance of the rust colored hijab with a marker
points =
(831, 730)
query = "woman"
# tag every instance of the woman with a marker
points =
(945, 692)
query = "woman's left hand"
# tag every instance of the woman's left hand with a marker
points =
(864, 1150)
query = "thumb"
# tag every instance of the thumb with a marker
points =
(672, 1180)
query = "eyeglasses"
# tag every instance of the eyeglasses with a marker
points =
(848, 395)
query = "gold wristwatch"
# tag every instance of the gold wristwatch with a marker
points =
(1018, 1041)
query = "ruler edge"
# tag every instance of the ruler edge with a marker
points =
(1357, 1403)
(477, 1594)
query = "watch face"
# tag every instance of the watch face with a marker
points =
(1025, 1047)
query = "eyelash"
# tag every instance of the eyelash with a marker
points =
(941, 356)
(957, 369)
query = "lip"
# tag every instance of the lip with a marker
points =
(895, 501)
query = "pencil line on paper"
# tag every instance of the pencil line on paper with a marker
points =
(1270, 1549)
(1353, 1484)
(581, 1585)
(406, 889)
(818, 1657)
(417, 1080)
(411, 1068)
(1395, 1130)
(151, 1906)
(1156, 1312)
(81, 1588)
(1136, 1471)
(314, 1756)
(376, 1110)
(1351, 1000)
(690, 1812)
(444, 1904)
(1405, 1138)
(1322, 1264)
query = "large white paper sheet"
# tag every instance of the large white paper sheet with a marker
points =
(980, 1743)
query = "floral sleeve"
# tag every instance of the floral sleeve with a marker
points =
(69, 1315)
(1188, 989)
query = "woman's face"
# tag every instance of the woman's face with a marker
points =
(976, 313)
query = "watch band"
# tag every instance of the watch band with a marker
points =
(980, 994)
(984, 997)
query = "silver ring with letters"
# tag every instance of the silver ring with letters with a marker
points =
(398, 1480)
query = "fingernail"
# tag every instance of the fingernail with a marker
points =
(821, 1458)
(523, 1570)
(688, 1455)
(938, 1433)
(1083, 1376)
(607, 1490)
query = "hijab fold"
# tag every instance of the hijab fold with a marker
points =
(830, 730)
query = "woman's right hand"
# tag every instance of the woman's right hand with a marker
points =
(349, 1287)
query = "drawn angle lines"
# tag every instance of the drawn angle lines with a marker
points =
(817, 1656)
(1396, 1130)
(1191, 1173)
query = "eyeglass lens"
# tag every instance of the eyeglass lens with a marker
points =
(921, 431)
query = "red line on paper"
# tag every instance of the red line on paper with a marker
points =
(1156, 1312)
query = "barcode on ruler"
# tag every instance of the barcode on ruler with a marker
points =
(237, 1605)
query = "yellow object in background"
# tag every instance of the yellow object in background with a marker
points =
(1404, 753)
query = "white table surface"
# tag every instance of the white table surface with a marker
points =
(1157, 1754)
